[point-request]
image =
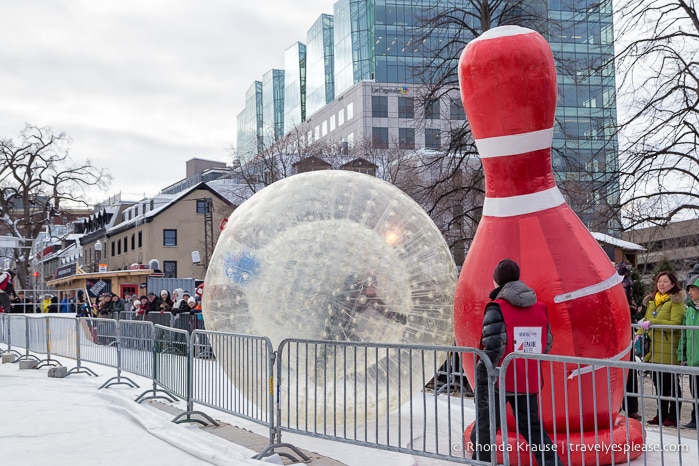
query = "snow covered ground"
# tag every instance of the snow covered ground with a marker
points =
(70, 422)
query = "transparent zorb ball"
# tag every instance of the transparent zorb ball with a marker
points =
(336, 256)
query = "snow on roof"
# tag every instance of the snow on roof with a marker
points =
(231, 190)
(620, 243)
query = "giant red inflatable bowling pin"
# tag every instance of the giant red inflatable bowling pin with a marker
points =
(508, 87)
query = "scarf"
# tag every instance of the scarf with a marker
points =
(660, 298)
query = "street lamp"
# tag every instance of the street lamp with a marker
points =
(98, 254)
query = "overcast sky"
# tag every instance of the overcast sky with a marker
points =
(141, 87)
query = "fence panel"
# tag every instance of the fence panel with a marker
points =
(98, 339)
(17, 330)
(590, 429)
(4, 327)
(137, 343)
(373, 395)
(234, 373)
(62, 337)
(159, 318)
(38, 332)
(171, 370)
(189, 321)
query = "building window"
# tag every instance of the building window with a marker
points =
(126, 244)
(202, 206)
(133, 241)
(459, 140)
(456, 110)
(406, 107)
(379, 106)
(433, 139)
(118, 247)
(379, 137)
(432, 110)
(169, 237)
(113, 249)
(170, 269)
(406, 138)
(140, 239)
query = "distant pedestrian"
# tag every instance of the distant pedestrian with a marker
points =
(193, 304)
(153, 303)
(21, 304)
(7, 290)
(165, 301)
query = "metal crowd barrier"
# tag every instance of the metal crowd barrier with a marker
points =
(234, 373)
(189, 321)
(370, 395)
(366, 394)
(596, 379)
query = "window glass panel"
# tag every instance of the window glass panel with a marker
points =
(169, 237)
(406, 138)
(432, 110)
(432, 138)
(406, 107)
(456, 110)
(379, 137)
(379, 106)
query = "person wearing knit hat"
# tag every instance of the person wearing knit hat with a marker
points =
(506, 271)
(514, 321)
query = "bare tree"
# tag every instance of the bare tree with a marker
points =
(451, 187)
(459, 23)
(275, 161)
(658, 78)
(37, 180)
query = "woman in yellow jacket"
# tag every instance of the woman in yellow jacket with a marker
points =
(665, 307)
(45, 303)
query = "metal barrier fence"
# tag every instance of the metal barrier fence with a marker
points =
(590, 432)
(369, 394)
(33, 300)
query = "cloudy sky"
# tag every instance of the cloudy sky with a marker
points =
(141, 87)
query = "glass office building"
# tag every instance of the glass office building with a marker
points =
(320, 64)
(294, 86)
(272, 106)
(585, 144)
(249, 123)
(378, 49)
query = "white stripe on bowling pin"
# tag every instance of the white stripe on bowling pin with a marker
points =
(502, 31)
(523, 203)
(515, 144)
(589, 290)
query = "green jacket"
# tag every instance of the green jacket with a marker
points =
(688, 349)
(664, 342)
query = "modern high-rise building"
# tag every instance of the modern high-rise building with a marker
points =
(272, 106)
(378, 54)
(320, 64)
(249, 121)
(294, 86)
